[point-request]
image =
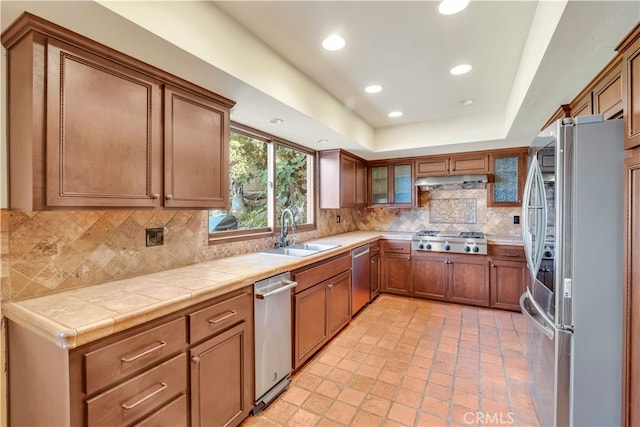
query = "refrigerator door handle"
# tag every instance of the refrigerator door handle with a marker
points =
(527, 304)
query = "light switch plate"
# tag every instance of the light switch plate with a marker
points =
(155, 236)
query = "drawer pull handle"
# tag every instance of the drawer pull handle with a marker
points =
(396, 248)
(221, 318)
(511, 255)
(144, 353)
(163, 386)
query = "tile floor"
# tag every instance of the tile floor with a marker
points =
(408, 362)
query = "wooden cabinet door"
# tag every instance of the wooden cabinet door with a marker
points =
(607, 96)
(631, 311)
(374, 275)
(469, 281)
(103, 132)
(430, 277)
(507, 283)
(347, 181)
(222, 378)
(361, 184)
(432, 166)
(509, 174)
(631, 94)
(396, 272)
(196, 151)
(310, 322)
(338, 302)
(469, 163)
(582, 106)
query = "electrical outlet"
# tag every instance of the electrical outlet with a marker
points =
(338, 218)
(155, 236)
(516, 219)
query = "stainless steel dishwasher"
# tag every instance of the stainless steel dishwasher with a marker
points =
(272, 313)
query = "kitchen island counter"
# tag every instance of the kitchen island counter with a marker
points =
(81, 315)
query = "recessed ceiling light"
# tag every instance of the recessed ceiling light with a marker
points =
(395, 114)
(276, 120)
(322, 141)
(333, 42)
(460, 69)
(373, 89)
(467, 101)
(450, 7)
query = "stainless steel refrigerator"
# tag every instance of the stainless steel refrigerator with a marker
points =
(573, 201)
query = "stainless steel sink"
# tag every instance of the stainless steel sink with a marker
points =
(318, 247)
(291, 251)
(301, 249)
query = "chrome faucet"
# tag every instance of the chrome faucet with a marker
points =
(282, 241)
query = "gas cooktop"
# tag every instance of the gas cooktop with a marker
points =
(466, 242)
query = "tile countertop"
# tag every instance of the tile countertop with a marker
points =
(504, 239)
(78, 316)
(81, 315)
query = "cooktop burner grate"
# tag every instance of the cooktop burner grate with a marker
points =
(471, 235)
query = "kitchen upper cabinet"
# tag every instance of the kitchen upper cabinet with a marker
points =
(196, 151)
(630, 50)
(392, 185)
(607, 94)
(459, 164)
(509, 172)
(103, 131)
(343, 180)
(396, 267)
(91, 127)
(582, 106)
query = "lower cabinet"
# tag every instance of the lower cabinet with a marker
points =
(374, 272)
(430, 276)
(321, 305)
(396, 267)
(140, 376)
(460, 279)
(508, 280)
(509, 275)
(219, 391)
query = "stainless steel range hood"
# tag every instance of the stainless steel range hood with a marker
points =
(466, 182)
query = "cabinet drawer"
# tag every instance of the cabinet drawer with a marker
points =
(217, 317)
(173, 413)
(140, 395)
(510, 252)
(129, 356)
(396, 246)
(321, 271)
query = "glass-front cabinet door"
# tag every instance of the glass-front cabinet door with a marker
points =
(402, 185)
(509, 172)
(392, 185)
(379, 185)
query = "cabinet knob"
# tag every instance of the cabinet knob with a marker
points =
(493, 265)
(195, 359)
(169, 197)
(155, 196)
(330, 285)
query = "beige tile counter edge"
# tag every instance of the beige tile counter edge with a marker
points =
(78, 316)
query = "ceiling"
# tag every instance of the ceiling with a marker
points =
(528, 57)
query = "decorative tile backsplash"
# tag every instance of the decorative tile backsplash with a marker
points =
(453, 211)
(49, 251)
(42, 252)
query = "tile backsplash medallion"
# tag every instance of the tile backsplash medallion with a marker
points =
(43, 252)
